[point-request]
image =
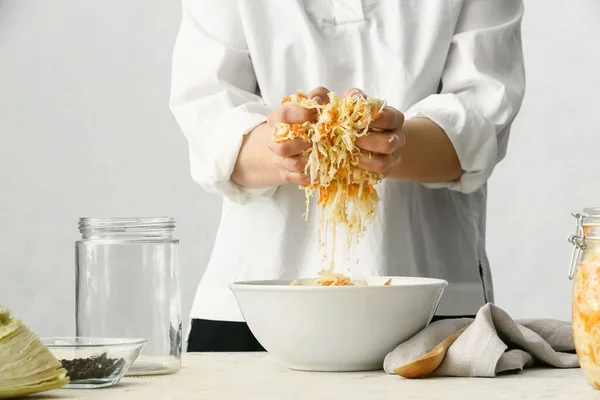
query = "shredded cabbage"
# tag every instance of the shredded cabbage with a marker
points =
(346, 193)
(329, 278)
(586, 315)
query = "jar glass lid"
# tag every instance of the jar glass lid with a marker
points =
(591, 216)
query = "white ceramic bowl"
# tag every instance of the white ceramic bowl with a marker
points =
(342, 328)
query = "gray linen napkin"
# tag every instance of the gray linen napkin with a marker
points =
(493, 343)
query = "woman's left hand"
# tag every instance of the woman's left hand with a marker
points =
(383, 145)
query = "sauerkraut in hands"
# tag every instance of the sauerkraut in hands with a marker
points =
(346, 194)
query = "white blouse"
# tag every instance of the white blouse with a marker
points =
(456, 62)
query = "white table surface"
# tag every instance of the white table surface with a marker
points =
(251, 376)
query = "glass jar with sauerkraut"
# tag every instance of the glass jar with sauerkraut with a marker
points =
(585, 268)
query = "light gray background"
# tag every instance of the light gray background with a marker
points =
(86, 131)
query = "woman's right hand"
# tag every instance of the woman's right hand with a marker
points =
(262, 162)
(288, 155)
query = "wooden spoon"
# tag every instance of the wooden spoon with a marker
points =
(430, 361)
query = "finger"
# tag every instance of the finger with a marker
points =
(291, 114)
(381, 142)
(378, 163)
(289, 148)
(294, 164)
(299, 178)
(354, 92)
(389, 119)
(319, 94)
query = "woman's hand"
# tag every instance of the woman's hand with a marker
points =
(384, 143)
(265, 163)
(288, 156)
(427, 153)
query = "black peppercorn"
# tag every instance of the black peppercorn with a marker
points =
(96, 367)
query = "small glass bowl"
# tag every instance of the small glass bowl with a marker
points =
(94, 362)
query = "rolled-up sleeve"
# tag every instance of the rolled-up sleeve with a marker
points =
(213, 94)
(483, 84)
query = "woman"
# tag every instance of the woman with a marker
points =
(452, 74)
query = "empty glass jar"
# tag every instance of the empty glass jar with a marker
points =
(128, 287)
